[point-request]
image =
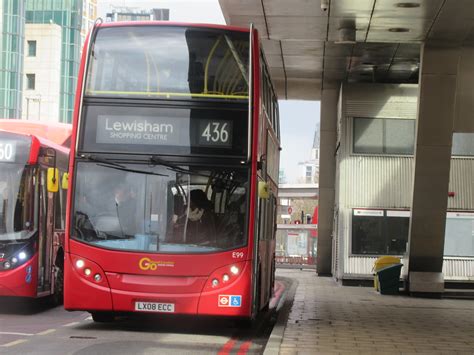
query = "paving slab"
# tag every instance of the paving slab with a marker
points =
(321, 316)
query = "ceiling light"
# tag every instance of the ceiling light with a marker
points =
(408, 5)
(398, 29)
(346, 35)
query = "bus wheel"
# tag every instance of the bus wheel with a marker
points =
(58, 295)
(102, 317)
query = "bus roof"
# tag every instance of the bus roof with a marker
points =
(58, 133)
(178, 24)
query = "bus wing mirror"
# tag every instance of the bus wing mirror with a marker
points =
(53, 180)
(263, 191)
(65, 181)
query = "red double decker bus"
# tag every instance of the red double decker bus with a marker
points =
(174, 171)
(33, 185)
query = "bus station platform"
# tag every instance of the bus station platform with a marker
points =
(319, 316)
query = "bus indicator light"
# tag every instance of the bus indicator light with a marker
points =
(215, 282)
(87, 271)
(225, 278)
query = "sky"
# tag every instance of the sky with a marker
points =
(299, 119)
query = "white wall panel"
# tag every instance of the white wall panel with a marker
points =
(458, 268)
(461, 182)
(376, 181)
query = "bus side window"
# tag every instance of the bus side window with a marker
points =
(60, 208)
(57, 210)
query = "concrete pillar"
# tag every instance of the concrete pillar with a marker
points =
(436, 112)
(327, 177)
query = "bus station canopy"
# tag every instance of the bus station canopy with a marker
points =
(309, 49)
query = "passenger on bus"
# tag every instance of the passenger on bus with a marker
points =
(201, 226)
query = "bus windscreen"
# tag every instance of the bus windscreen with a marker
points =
(169, 62)
(153, 208)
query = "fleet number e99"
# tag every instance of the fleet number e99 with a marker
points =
(238, 255)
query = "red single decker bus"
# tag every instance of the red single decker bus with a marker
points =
(33, 185)
(174, 172)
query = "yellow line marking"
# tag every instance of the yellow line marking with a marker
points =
(14, 333)
(13, 343)
(71, 324)
(46, 332)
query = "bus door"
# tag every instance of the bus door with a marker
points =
(46, 215)
(265, 253)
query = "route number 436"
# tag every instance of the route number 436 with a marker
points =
(216, 132)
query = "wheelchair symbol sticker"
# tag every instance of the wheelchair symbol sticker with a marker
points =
(235, 301)
(230, 301)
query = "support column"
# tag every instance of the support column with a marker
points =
(327, 176)
(436, 108)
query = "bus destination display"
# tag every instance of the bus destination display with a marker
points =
(169, 131)
(7, 151)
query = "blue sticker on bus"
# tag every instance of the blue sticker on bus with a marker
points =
(28, 278)
(230, 301)
(28, 269)
(235, 301)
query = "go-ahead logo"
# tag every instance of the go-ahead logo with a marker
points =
(148, 264)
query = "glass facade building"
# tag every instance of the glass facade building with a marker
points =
(67, 14)
(12, 23)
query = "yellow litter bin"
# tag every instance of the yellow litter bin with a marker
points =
(382, 262)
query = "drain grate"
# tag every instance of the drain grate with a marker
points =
(81, 337)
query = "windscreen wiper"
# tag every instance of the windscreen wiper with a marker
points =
(110, 164)
(123, 168)
(101, 160)
(176, 168)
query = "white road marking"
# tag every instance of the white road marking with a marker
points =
(71, 324)
(13, 333)
(13, 343)
(88, 318)
(46, 332)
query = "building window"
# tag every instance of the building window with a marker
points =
(31, 48)
(459, 235)
(379, 232)
(463, 144)
(383, 136)
(30, 81)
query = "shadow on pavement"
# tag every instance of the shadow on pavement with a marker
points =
(25, 306)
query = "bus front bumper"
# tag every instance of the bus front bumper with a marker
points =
(20, 281)
(155, 294)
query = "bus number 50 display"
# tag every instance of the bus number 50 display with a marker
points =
(7, 151)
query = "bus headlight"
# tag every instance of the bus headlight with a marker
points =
(7, 265)
(224, 276)
(22, 256)
(88, 270)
